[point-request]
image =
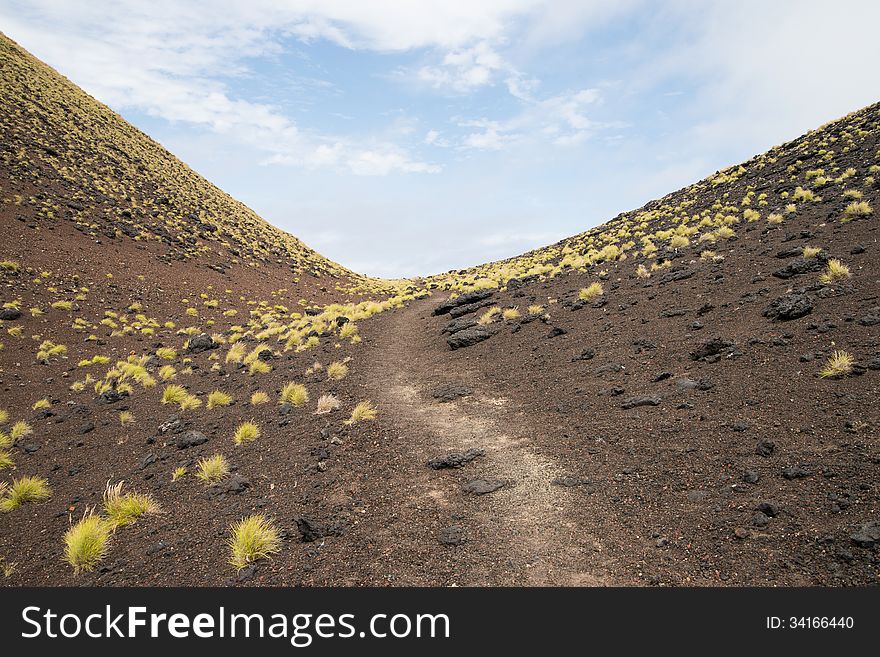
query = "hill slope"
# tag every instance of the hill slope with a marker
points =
(639, 404)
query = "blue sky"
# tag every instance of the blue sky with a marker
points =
(403, 138)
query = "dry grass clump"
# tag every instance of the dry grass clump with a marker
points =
(5, 460)
(24, 489)
(590, 292)
(166, 353)
(811, 251)
(19, 430)
(259, 397)
(363, 411)
(40, 404)
(86, 542)
(835, 270)
(642, 272)
(510, 314)
(251, 539)
(535, 309)
(679, 241)
(126, 418)
(174, 394)
(857, 209)
(212, 469)
(838, 365)
(125, 508)
(218, 398)
(294, 394)
(259, 367)
(337, 371)
(236, 352)
(246, 432)
(489, 316)
(775, 218)
(326, 404)
(179, 472)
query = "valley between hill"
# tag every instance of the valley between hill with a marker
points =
(684, 395)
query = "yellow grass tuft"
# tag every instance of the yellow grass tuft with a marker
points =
(166, 353)
(590, 292)
(251, 539)
(212, 469)
(125, 508)
(42, 403)
(363, 411)
(834, 271)
(489, 316)
(86, 542)
(25, 489)
(811, 251)
(174, 394)
(179, 473)
(19, 430)
(246, 432)
(126, 418)
(857, 209)
(295, 394)
(259, 397)
(838, 365)
(218, 398)
(337, 371)
(509, 314)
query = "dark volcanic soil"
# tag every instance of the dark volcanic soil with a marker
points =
(671, 431)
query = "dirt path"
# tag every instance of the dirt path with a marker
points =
(523, 533)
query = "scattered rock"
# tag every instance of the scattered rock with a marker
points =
(645, 400)
(586, 354)
(751, 477)
(462, 300)
(235, 483)
(456, 459)
(483, 486)
(468, 337)
(191, 439)
(868, 535)
(9, 314)
(309, 530)
(199, 343)
(556, 331)
(768, 509)
(452, 535)
(711, 350)
(459, 324)
(765, 448)
(795, 472)
(450, 391)
(788, 307)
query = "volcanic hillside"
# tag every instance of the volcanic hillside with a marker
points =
(686, 394)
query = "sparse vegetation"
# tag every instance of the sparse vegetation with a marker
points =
(363, 411)
(125, 508)
(336, 371)
(86, 543)
(25, 489)
(835, 270)
(489, 316)
(259, 397)
(509, 314)
(294, 394)
(212, 469)
(857, 209)
(326, 404)
(246, 432)
(219, 399)
(592, 291)
(251, 539)
(839, 364)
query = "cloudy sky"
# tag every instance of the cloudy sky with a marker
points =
(410, 137)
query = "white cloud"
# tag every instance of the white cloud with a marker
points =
(560, 120)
